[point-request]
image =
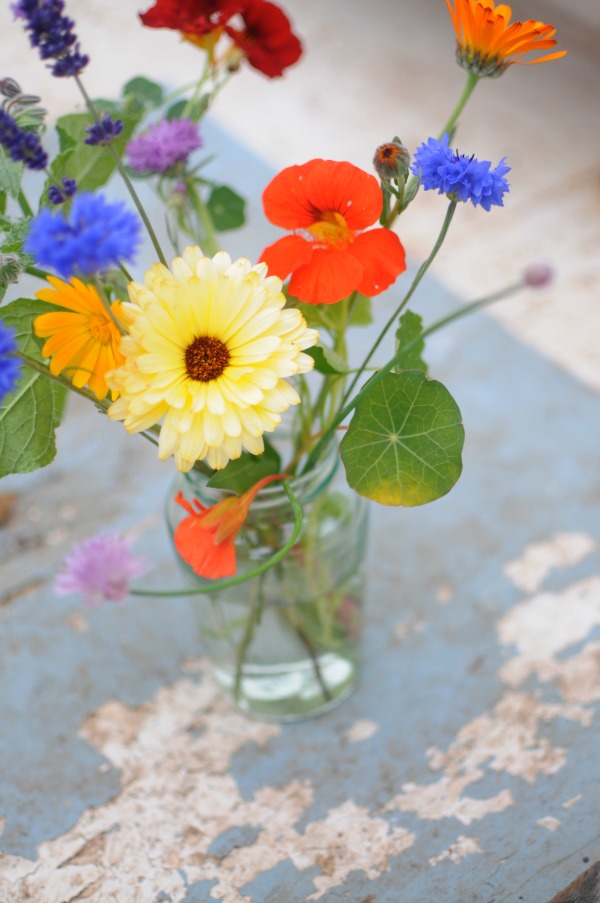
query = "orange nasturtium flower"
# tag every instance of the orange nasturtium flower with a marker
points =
(486, 41)
(83, 341)
(330, 204)
(206, 538)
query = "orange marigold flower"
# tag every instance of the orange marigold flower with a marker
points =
(82, 338)
(330, 204)
(486, 41)
(206, 538)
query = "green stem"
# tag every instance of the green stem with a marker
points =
(106, 304)
(210, 243)
(439, 324)
(217, 585)
(24, 204)
(134, 196)
(39, 274)
(315, 661)
(251, 623)
(420, 273)
(450, 126)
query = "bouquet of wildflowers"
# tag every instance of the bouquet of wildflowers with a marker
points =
(204, 355)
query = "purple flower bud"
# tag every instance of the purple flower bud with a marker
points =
(538, 275)
(103, 131)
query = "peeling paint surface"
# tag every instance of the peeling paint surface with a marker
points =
(463, 767)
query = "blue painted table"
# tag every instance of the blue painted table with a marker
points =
(462, 769)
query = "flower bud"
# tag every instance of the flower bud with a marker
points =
(11, 269)
(391, 160)
(538, 275)
(9, 87)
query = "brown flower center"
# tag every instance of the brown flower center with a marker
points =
(100, 328)
(206, 358)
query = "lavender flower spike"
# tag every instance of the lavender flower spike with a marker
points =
(52, 33)
(22, 146)
(99, 569)
(163, 145)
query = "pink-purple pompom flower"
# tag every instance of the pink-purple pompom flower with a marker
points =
(99, 569)
(163, 145)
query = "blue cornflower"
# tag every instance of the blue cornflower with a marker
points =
(454, 174)
(95, 235)
(58, 195)
(103, 131)
(9, 363)
(52, 33)
(22, 146)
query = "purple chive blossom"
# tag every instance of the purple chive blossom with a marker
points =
(163, 145)
(52, 33)
(22, 146)
(10, 366)
(103, 131)
(465, 178)
(99, 569)
(93, 236)
(58, 195)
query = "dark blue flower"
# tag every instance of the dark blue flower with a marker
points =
(58, 195)
(52, 33)
(103, 131)
(22, 146)
(9, 363)
(95, 235)
(461, 177)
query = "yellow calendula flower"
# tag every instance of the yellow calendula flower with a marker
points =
(83, 340)
(209, 348)
(488, 42)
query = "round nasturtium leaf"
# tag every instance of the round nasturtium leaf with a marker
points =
(404, 443)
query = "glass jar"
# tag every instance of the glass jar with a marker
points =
(286, 645)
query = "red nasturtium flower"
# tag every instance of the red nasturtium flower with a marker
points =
(330, 204)
(264, 35)
(206, 538)
(487, 42)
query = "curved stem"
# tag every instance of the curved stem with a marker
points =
(217, 585)
(439, 324)
(450, 126)
(420, 273)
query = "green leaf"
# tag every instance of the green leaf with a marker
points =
(151, 93)
(31, 412)
(11, 174)
(411, 327)
(361, 315)
(327, 360)
(404, 443)
(244, 472)
(91, 166)
(16, 235)
(226, 209)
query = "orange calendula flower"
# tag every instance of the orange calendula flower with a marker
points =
(330, 256)
(206, 538)
(488, 43)
(83, 341)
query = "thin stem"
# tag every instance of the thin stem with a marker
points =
(314, 658)
(134, 196)
(439, 324)
(211, 245)
(450, 126)
(34, 271)
(251, 623)
(217, 585)
(127, 275)
(106, 304)
(24, 204)
(420, 273)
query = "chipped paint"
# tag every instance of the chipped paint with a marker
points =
(562, 550)
(361, 730)
(550, 823)
(456, 852)
(568, 804)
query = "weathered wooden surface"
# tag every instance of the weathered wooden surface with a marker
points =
(464, 766)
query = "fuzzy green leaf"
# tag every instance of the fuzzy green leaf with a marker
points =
(31, 412)
(11, 174)
(404, 443)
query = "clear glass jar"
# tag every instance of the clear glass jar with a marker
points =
(286, 645)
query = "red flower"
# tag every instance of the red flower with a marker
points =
(191, 17)
(266, 40)
(206, 539)
(331, 203)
